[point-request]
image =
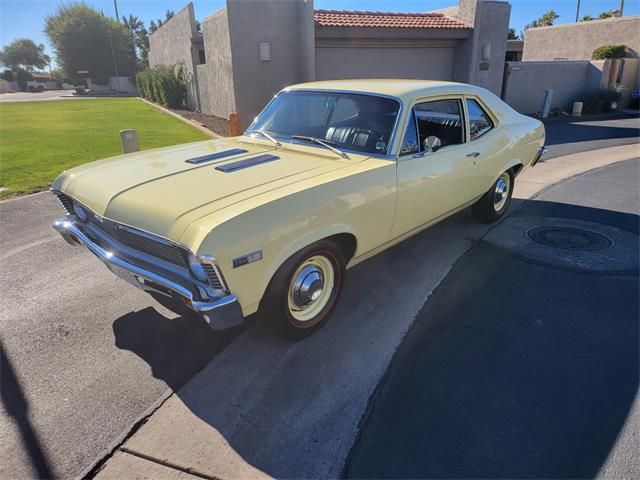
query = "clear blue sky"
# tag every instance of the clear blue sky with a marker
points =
(25, 18)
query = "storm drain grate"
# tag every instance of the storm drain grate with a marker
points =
(569, 238)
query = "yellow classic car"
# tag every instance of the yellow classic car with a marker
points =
(329, 174)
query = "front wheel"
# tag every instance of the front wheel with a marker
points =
(305, 290)
(495, 202)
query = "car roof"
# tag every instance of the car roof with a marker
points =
(404, 89)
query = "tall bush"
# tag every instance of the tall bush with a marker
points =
(163, 84)
(609, 51)
(599, 101)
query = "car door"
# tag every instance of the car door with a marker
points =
(485, 141)
(431, 184)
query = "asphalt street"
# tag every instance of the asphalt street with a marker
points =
(524, 363)
(85, 357)
(581, 135)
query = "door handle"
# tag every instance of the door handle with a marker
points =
(473, 154)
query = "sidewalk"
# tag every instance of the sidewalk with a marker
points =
(266, 407)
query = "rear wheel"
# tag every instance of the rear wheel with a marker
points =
(495, 202)
(304, 291)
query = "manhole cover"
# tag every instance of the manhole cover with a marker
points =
(569, 238)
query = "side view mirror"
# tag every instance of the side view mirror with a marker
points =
(431, 144)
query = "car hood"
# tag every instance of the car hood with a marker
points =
(160, 192)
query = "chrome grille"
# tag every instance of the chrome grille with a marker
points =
(66, 202)
(167, 252)
(143, 242)
(213, 276)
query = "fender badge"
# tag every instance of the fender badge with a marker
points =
(247, 259)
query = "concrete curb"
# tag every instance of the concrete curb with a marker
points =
(194, 124)
(173, 436)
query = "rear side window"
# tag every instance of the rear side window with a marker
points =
(479, 122)
(442, 118)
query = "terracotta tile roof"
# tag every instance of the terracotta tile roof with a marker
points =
(346, 18)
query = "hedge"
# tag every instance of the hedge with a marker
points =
(163, 84)
(599, 101)
(609, 51)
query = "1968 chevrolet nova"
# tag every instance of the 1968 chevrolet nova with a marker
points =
(329, 174)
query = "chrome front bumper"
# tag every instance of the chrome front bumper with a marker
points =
(541, 151)
(220, 313)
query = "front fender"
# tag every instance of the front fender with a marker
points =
(280, 224)
(298, 244)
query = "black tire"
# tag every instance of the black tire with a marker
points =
(487, 209)
(275, 305)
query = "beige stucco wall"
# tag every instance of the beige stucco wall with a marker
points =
(171, 44)
(527, 82)
(577, 41)
(284, 25)
(490, 21)
(217, 91)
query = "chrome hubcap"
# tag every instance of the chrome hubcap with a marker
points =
(310, 288)
(501, 193)
(307, 286)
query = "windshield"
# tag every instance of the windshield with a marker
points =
(350, 121)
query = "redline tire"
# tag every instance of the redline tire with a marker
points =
(322, 267)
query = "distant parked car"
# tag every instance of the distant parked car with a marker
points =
(328, 175)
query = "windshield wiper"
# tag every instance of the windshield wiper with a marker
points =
(324, 143)
(268, 136)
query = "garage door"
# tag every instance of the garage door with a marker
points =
(427, 63)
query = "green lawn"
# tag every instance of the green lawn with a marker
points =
(38, 140)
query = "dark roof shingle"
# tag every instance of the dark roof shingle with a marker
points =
(347, 18)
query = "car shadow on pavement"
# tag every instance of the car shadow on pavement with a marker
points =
(17, 407)
(175, 348)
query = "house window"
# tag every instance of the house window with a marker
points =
(201, 57)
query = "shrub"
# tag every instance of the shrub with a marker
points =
(7, 75)
(80, 89)
(163, 84)
(609, 51)
(599, 101)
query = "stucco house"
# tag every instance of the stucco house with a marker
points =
(250, 49)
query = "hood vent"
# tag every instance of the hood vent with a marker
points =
(216, 156)
(249, 162)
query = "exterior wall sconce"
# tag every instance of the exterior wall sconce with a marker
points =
(486, 51)
(265, 51)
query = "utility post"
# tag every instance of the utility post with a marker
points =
(115, 64)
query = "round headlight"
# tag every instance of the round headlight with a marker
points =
(196, 268)
(80, 212)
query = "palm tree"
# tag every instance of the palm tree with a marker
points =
(132, 23)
